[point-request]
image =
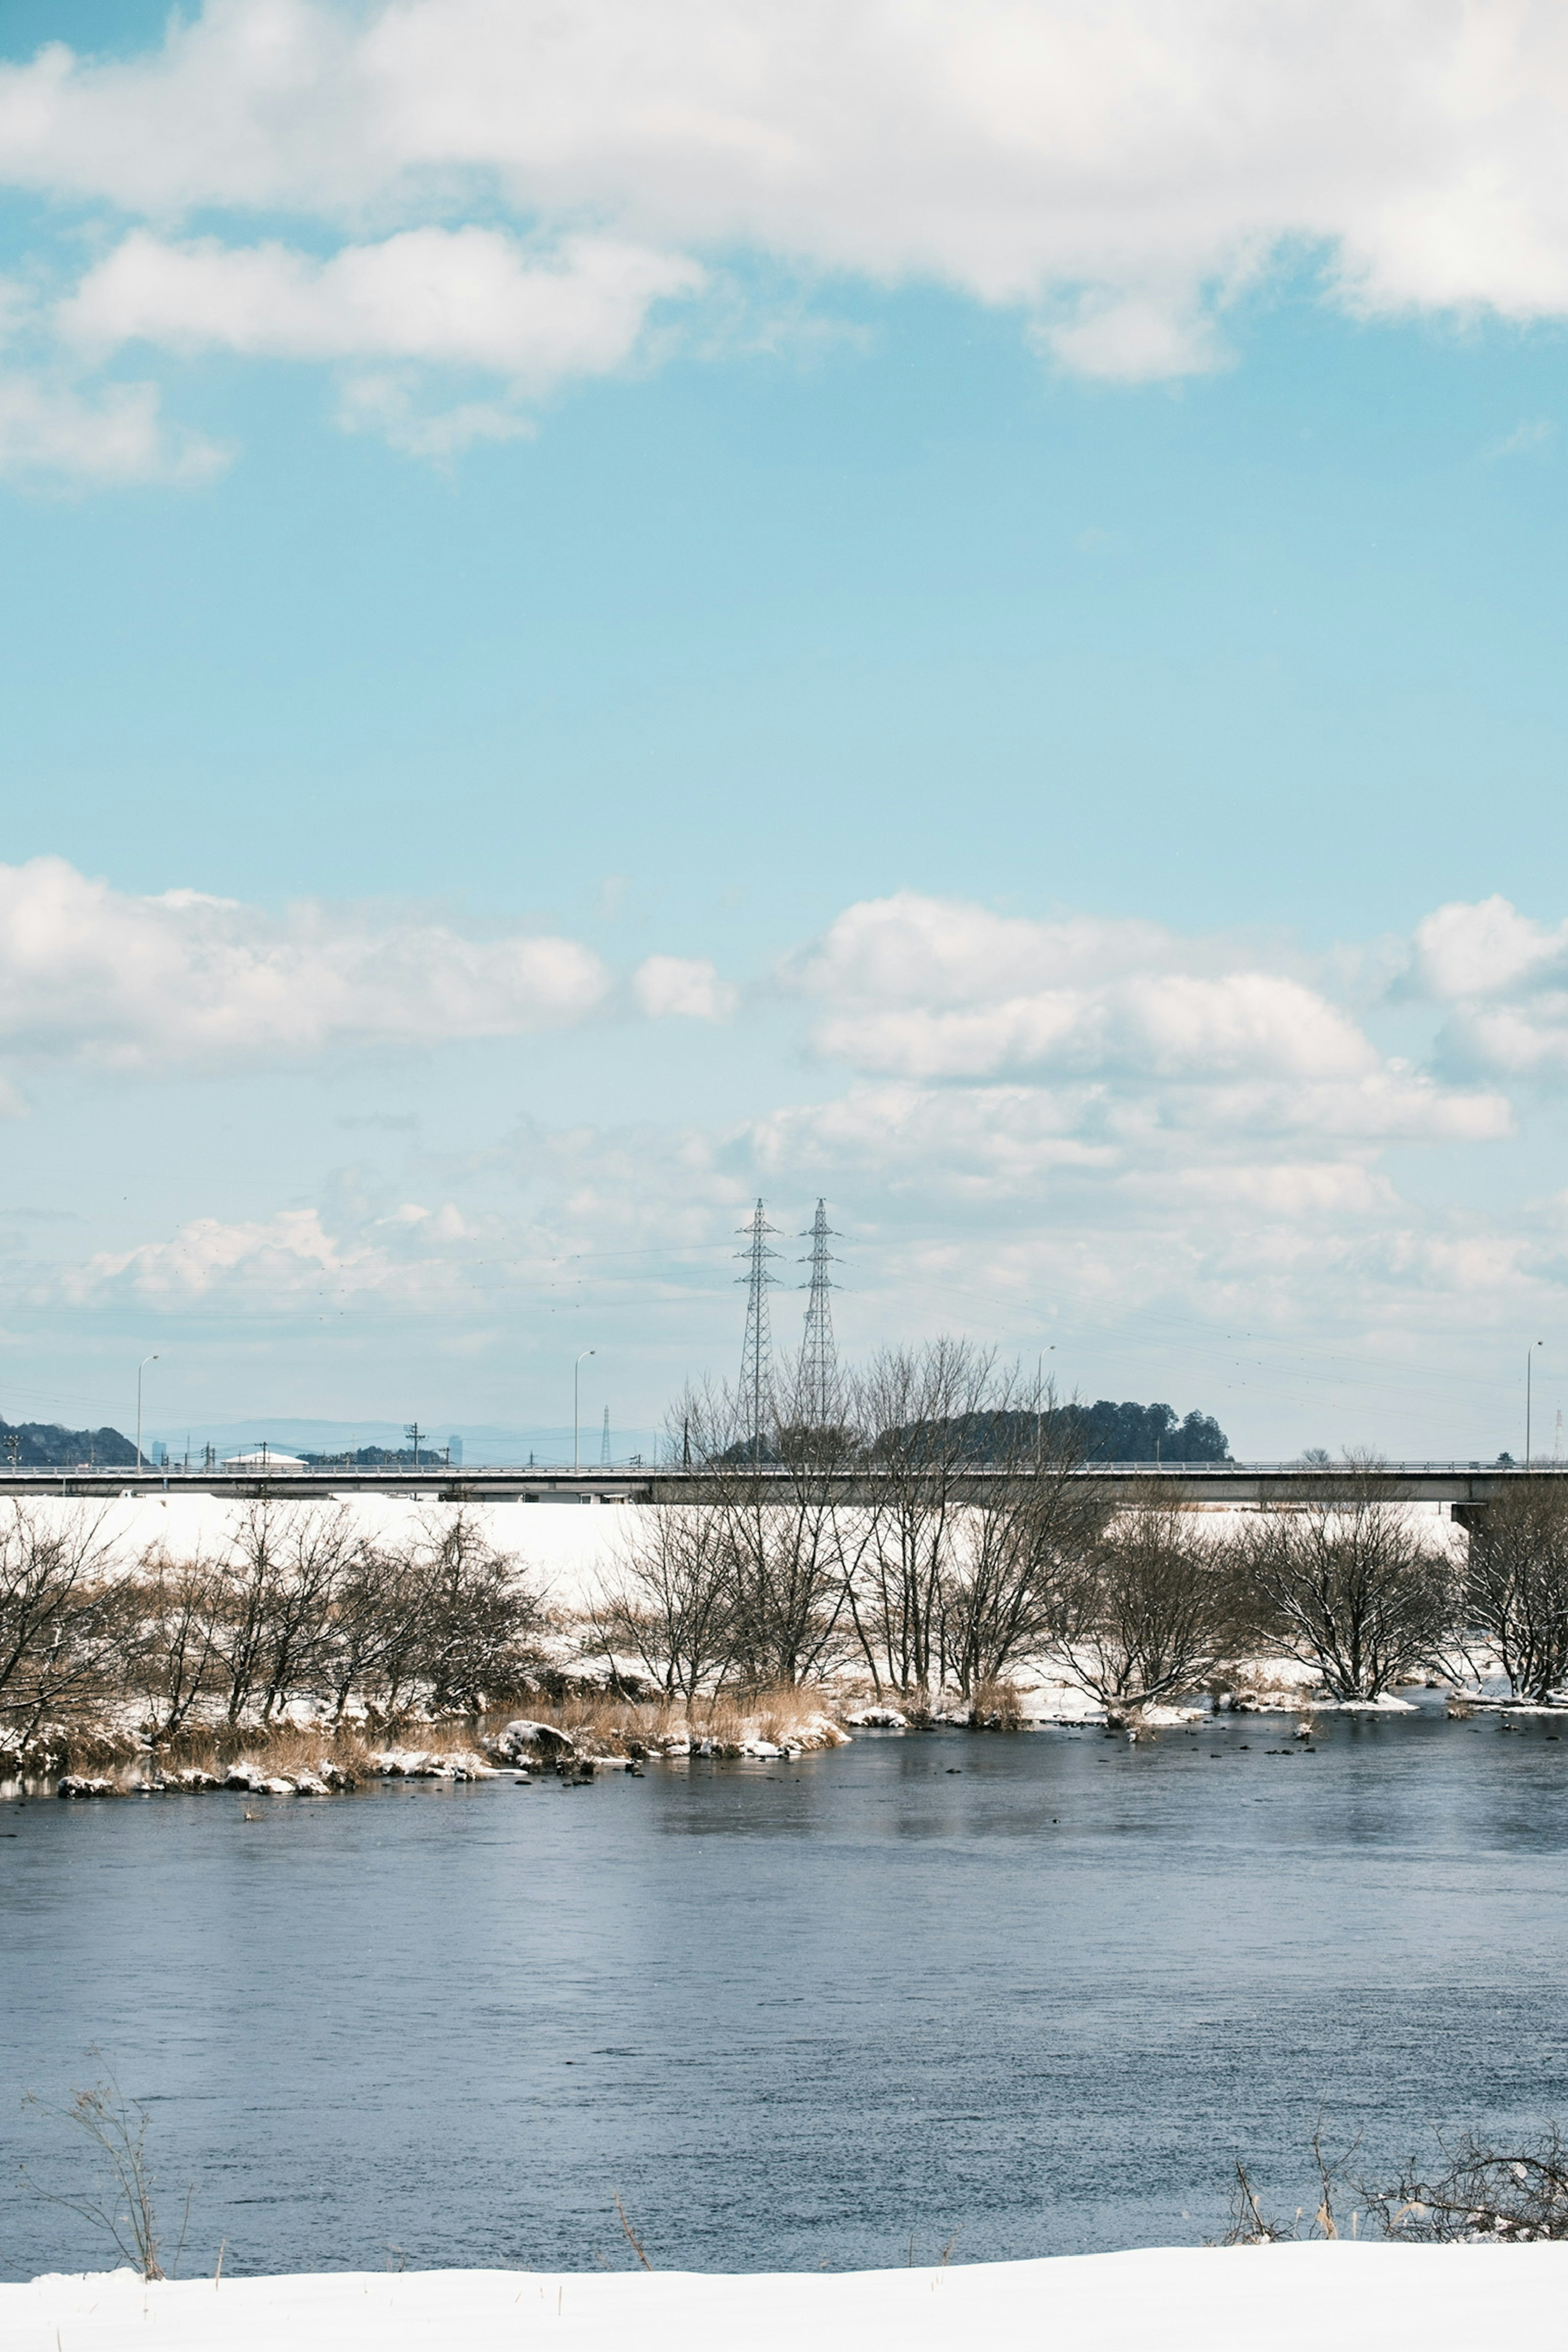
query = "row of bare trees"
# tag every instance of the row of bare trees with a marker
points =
(935, 1531)
(299, 1603)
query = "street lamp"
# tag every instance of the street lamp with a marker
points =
(1528, 1368)
(139, 1369)
(577, 1368)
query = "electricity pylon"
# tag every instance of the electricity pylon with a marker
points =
(818, 1364)
(756, 1354)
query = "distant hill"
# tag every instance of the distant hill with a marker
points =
(1107, 1431)
(45, 1445)
(382, 1457)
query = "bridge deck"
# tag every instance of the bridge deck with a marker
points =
(1238, 1482)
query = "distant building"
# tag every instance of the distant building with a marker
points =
(263, 1457)
(455, 1452)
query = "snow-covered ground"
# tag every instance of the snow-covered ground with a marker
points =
(569, 1547)
(566, 1545)
(1292, 2298)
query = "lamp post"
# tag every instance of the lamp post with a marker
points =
(139, 1369)
(1528, 1368)
(576, 1370)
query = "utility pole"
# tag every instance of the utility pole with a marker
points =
(139, 1369)
(576, 1417)
(1528, 1368)
(818, 1361)
(412, 1436)
(756, 1351)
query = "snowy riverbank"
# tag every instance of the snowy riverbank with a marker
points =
(1294, 2298)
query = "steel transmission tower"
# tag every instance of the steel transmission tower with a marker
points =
(604, 1442)
(757, 1354)
(818, 1365)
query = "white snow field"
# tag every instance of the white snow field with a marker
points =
(1290, 2298)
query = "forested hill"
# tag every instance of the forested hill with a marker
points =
(1105, 1433)
(1147, 1433)
(45, 1445)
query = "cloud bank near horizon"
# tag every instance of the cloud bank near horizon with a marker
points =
(1023, 1121)
(463, 205)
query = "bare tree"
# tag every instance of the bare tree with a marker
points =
(180, 1607)
(253, 1574)
(669, 1599)
(63, 1617)
(375, 1636)
(477, 1641)
(1033, 1525)
(1150, 1611)
(287, 1563)
(922, 1414)
(1516, 1586)
(1347, 1583)
(314, 1554)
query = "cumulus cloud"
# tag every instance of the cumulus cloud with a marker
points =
(1117, 174)
(184, 978)
(682, 985)
(466, 297)
(1504, 979)
(924, 989)
(54, 433)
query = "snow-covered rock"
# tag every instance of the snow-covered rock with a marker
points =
(523, 1737)
(877, 1719)
(78, 1784)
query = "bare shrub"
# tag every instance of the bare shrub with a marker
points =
(1508, 2195)
(117, 2128)
(1516, 1590)
(1476, 2193)
(1346, 1583)
(1149, 1611)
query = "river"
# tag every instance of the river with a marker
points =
(1005, 1994)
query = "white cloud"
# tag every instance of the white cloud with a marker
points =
(53, 433)
(682, 984)
(468, 298)
(928, 989)
(133, 982)
(1119, 174)
(1505, 977)
(1484, 949)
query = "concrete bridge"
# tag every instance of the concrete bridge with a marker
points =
(1465, 1485)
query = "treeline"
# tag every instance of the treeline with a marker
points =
(1146, 1432)
(939, 1580)
(45, 1445)
(299, 1604)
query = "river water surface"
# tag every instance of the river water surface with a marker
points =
(1022, 1995)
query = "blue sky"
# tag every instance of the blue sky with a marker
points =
(1025, 627)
